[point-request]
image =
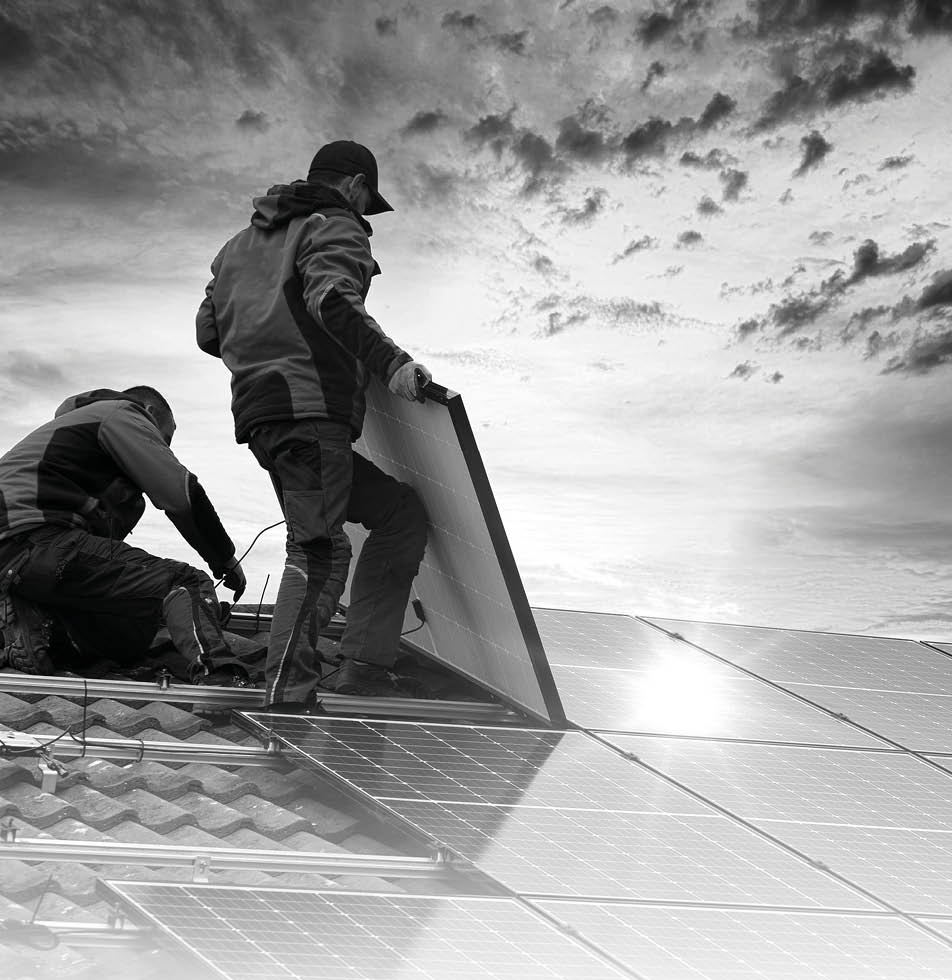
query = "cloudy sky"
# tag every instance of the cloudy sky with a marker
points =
(689, 264)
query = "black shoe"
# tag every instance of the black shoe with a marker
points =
(374, 681)
(27, 635)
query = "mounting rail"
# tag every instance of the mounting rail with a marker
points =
(202, 860)
(136, 749)
(253, 699)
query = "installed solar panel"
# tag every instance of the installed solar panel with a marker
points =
(907, 867)
(828, 659)
(554, 812)
(477, 616)
(616, 673)
(269, 933)
(804, 785)
(920, 722)
(676, 943)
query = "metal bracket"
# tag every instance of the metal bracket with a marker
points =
(8, 831)
(200, 868)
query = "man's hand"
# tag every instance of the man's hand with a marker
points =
(234, 578)
(404, 381)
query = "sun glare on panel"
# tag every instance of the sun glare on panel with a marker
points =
(688, 699)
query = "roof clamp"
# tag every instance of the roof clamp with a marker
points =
(443, 855)
(164, 679)
(116, 918)
(200, 868)
(273, 746)
(8, 831)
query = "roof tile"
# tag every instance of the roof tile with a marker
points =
(122, 718)
(271, 820)
(16, 770)
(218, 783)
(275, 785)
(36, 807)
(97, 809)
(19, 714)
(154, 812)
(68, 714)
(331, 824)
(212, 816)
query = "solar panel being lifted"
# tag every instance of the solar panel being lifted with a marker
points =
(296, 934)
(478, 619)
(553, 813)
(618, 674)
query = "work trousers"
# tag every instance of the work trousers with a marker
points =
(112, 598)
(320, 483)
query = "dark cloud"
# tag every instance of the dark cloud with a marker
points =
(734, 182)
(784, 16)
(593, 205)
(745, 371)
(17, 48)
(712, 160)
(775, 378)
(639, 245)
(386, 26)
(938, 292)
(576, 141)
(655, 70)
(424, 121)
(931, 16)
(868, 261)
(648, 139)
(720, 107)
(604, 16)
(514, 43)
(543, 265)
(688, 239)
(658, 25)
(534, 152)
(250, 119)
(814, 148)
(496, 131)
(455, 20)
(924, 354)
(820, 237)
(708, 207)
(896, 163)
(864, 73)
(877, 74)
(747, 328)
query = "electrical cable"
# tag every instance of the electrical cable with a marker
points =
(250, 546)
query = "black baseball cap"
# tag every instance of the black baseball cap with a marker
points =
(348, 158)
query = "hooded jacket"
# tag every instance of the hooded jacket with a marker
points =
(285, 311)
(88, 468)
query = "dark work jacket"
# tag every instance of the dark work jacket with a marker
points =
(89, 467)
(285, 311)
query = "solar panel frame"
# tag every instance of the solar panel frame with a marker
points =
(467, 653)
(671, 942)
(243, 933)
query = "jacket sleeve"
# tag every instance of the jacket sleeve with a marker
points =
(335, 262)
(206, 328)
(135, 444)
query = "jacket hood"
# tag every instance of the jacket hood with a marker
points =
(88, 397)
(298, 200)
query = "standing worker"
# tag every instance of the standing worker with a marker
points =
(69, 493)
(285, 312)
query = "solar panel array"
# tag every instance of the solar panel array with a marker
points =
(719, 816)
(477, 616)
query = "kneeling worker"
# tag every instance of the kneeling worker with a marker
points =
(69, 493)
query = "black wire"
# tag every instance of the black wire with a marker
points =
(250, 546)
(415, 628)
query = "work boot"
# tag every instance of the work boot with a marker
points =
(27, 635)
(367, 680)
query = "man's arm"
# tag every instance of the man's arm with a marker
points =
(135, 444)
(335, 261)
(206, 328)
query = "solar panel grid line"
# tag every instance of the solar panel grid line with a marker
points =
(673, 943)
(607, 734)
(364, 935)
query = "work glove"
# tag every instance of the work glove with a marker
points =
(234, 578)
(408, 381)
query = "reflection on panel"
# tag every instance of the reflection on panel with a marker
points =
(272, 933)
(676, 943)
(477, 616)
(475, 764)
(607, 854)
(689, 693)
(585, 639)
(805, 785)
(828, 659)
